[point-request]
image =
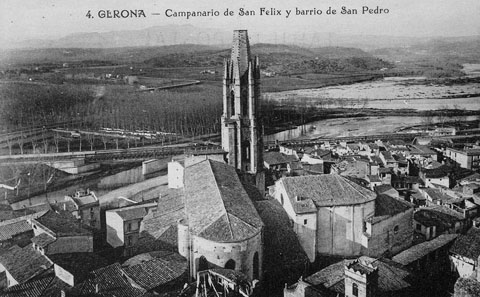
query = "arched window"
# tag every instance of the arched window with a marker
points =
(256, 266)
(202, 263)
(230, 264)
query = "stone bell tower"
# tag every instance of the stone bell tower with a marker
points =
(242, 136)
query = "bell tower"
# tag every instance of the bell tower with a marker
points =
(242, 136)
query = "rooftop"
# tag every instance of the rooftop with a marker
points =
(24, 263)
(109, 281)
(440, 216)
(217, 206)
(43, 239)
(133, 212)
(391, 276)
(468, 245)
(156, 269)
(419, 251)
(274, 158)
(386, 206)
(63, 224)
(326, 190)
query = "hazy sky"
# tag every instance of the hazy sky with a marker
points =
(30, 19)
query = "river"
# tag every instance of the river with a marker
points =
(389, 93)
(393, 93)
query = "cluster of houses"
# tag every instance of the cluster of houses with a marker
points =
(383, 218)
(415, 205)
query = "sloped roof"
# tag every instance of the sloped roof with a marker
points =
(131, 212)
(43, 239)
(44, 285)
(217, 206)
(436, 215)
(326, 190)
(171, 209)
(274, 158)
(391, 276)
(386, 206)
(110, 282)
(24, 263)
(157, 270)
(10, 230)
(437, 194)
(467, 287)
(419, 251)
(468, 245)
(63, 223)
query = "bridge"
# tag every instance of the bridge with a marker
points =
(141, 153)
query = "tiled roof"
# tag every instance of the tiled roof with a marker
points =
(438, 195)
(388, 156)
(33, 288)
(391, 276)
(132, 212)
(78, 264)
(24, 263)
(217, 206)
(23, 218)
(9, 231)
(110, 281)
(374, 178)
(386, 206)
(326, 190)
(440, 216)
(418, 251)
(43, 240)
(380, 189)
(171, 209)
(467, 287)
(441, 171)
(157, 271)
(468, 245)
(274, 158)
(63, 224)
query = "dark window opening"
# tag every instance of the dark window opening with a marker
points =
(232, 103)
(230, 264)
(256, 266)
(202, 263)
(354, 289)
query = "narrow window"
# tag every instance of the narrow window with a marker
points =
(305, 221)
(354, 289)
(395, 230)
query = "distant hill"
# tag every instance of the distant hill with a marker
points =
(153, 36)
(284, 59)
(454, 50)
(188, 34)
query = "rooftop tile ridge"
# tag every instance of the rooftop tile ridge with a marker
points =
(221, 198)
(247, 223)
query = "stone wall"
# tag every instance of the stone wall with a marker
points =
(219, 254)
(391, 235)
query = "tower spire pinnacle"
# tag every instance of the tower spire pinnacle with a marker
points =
(242, 136)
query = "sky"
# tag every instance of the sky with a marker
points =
(50, 19)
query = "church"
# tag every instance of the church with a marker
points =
(221, 227)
